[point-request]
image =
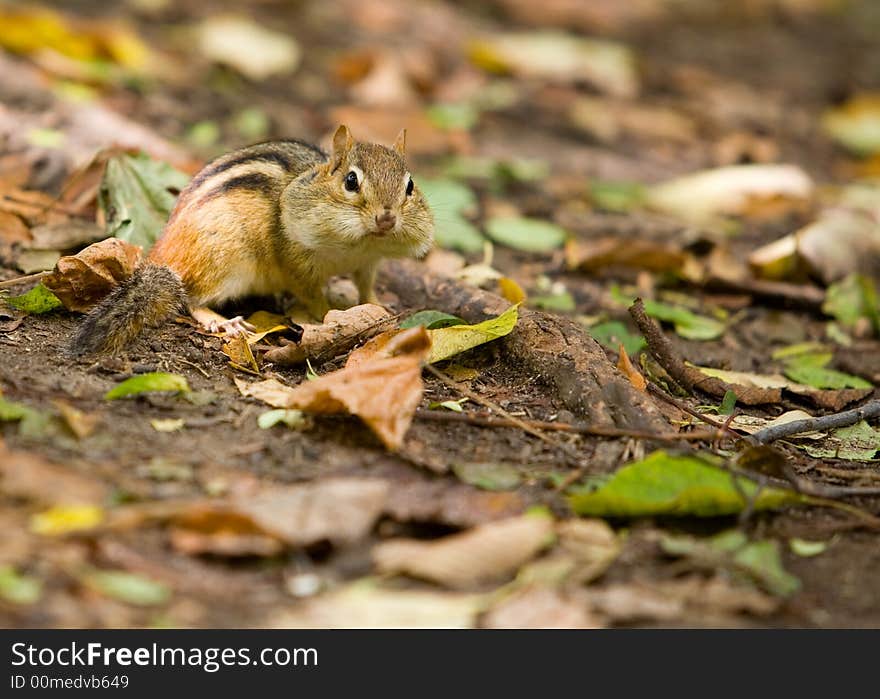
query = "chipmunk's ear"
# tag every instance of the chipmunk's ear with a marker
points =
(342, 143)
(400, 142)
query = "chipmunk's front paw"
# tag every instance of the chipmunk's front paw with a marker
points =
(233, 326)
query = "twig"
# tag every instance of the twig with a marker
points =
(196, 367)
(595, 430)
(485, 402)
(21, 280)
(720, 426)
(689, 377)
(845, 418)
(800, 295)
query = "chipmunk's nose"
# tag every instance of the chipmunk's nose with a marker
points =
(385, 221)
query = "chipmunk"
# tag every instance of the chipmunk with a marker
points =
(280, 216)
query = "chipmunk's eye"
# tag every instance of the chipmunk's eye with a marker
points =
(351, 181)
(409, 187)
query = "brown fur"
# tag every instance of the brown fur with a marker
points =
(148, 298)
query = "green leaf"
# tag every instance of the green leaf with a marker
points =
(136, 197)
(851, 299)
(16, 588)
(687, 324)
(860, 442)
(292, 418)
(454, 232)
(32, 423)
(448, 342)
(127, 587)
(563, 303)
(37, 300)
(252, 123)
(680, 485)
(614, 333)
(810, 370)
(617, 196)
(431, 320)
(529, 234)
(488, 476)
(453, 115)
(805, 548)
(728, 403)
(447, 196)
(759, 560)
(147, 383)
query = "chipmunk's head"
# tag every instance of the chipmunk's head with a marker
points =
(368, 198)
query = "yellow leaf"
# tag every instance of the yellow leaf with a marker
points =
(448, 342)
(65, 519)
(510, 290)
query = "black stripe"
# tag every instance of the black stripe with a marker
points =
(211, 170)
(311, 146)
(255, 180)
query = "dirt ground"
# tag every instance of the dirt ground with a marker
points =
(767, 71)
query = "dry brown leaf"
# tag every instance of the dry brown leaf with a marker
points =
(211, 531)
(271, 391)
(487, 552)
(34, 207)
(383, 391)
(82, 280)
(540, 607)
(340, 331)
(13, 229)
(362, 605)
(65, 235)
(627, 369)
(340, 510)
(31, 477)
(453, 504)
(80, 423)
(614, 251)
(238, 349)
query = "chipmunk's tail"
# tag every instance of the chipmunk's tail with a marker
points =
(148, 298)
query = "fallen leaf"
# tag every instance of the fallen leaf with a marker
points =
(430, 320)
(339, 510)
(363, 605)
(451, 201)
(597, 254)
(487, 552)
(856, 123)
(66, 519)
(167, 424)
(126, 587)
(668, 484)
(613, 333)
(617, 196)
(292, 418)
(340, 331)
(136, 196)
(453, 340)
(851, 299)
(554, 56)
(840, 242)
(488, 476)
(32, 261)
(627, 369)
(511, 291)
(383, 391)
(810, 370)
(37, 300)
(238, 349)
(65, 235)
(541, 608)
(561, 302)
(80, 281)
(751, 424)
(735, 190)
(859, 442)
(148, 383)
(81, 424)
(529, 234)
(16, 588)
(28, 476)
(271, 391)
(608, 120)
(805, 548)
(254, 51)
(456, 506)
(759, 560)
(686, 323)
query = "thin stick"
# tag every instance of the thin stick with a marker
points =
(845, 418)
(485, 402)
(21, 280)
(720, 426)
(595, 430)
